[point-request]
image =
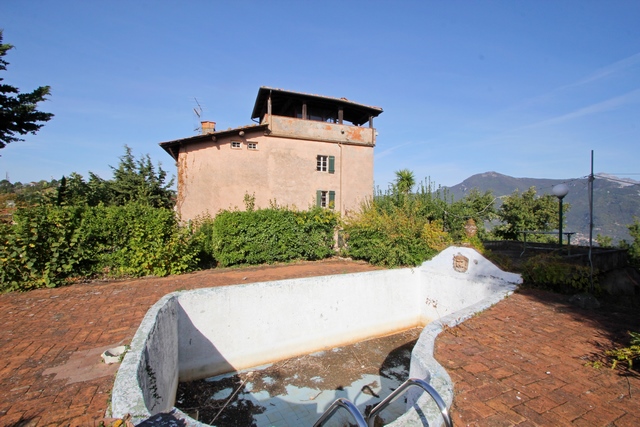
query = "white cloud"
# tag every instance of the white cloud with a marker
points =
(600, 107)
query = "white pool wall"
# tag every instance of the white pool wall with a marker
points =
(196, 334)
(147, 380)
(236, 327)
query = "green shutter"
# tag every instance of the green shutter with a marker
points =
(318, 198)
(332, 199)
(332, 164)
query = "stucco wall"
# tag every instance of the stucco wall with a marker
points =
(213, 175)
(320, 131)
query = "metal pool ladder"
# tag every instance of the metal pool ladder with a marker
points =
(353, 410)
(342, 403)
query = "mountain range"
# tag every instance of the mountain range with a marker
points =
(616, 201)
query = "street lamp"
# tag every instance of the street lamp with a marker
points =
(560, 191)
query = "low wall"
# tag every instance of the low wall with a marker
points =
(201, 333)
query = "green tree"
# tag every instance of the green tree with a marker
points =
(634, 247)
(527, 211)
(475, 205)
(604, 241)
(138, 180)
(18, 113)
(405, 181)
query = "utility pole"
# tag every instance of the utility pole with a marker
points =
(591, 179)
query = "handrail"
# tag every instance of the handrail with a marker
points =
(342, 403)
(405, 385)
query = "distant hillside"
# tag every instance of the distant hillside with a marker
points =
(615, 201)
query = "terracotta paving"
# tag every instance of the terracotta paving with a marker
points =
(522, 362)
(51, 339)
(526, 362)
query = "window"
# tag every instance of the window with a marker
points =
(326, 199)
(321, 163)
(252, 145)
(326, 163)
(235, 144)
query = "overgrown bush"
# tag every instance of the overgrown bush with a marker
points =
(551, 272)
(47, 246)
(42, 248)
(136, 239)
(395, 236)
(272, 235)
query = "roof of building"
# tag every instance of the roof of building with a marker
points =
(169, 146)
(353, 112)
(280, 99)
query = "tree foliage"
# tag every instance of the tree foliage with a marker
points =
(405, 181)
(134, 180)
(18, 113)
(527, 211)
(403, 228)
(138, 180)
(634, 247)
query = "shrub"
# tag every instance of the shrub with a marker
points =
(136, 239)
(396, 237)
(272, 235)
(47, 246)
(550, 272)
(203, 240)
(42, 248)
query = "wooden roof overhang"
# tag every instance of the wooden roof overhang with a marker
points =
(281, 99)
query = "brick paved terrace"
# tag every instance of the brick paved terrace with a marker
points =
(523, 362)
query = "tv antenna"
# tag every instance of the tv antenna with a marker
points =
(198, 111)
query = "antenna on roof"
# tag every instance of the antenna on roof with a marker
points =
(198, 111)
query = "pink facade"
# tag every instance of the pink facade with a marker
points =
(289, 161)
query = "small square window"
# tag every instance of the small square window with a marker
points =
(252, 145)
(236, 144)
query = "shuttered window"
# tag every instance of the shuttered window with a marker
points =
(326, 199)
(326, 163)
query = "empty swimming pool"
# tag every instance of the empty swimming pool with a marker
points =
(197, 334)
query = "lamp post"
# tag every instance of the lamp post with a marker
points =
(560, 191)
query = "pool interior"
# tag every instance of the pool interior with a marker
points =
(296, 391)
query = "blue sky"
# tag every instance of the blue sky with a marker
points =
(523, 88)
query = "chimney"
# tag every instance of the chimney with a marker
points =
(208, 127)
